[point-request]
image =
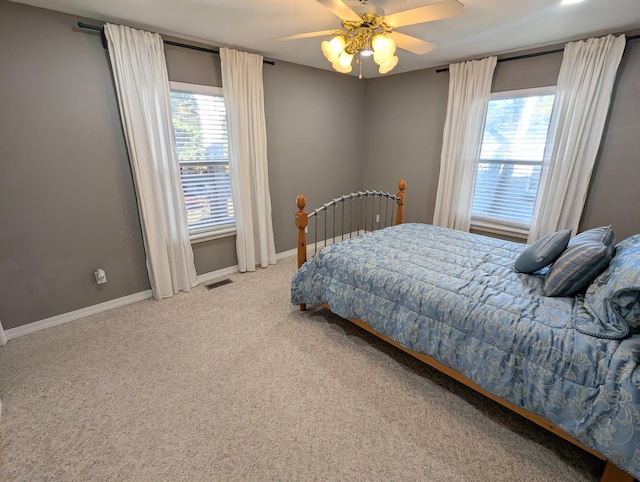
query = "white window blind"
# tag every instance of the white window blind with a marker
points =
(513, 149)
(202, 144)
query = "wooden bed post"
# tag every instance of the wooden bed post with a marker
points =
(612, 473)
(401, 194)
(302, 220)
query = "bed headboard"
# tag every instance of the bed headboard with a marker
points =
(357, 213)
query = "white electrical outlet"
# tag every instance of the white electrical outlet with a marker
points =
(377, 218)
(101, 276)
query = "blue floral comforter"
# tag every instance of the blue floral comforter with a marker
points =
(454, 296)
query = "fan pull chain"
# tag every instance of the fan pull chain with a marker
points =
(359, 61)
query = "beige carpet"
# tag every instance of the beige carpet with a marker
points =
(237, 384)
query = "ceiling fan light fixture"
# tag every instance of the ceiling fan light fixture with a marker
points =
(367, 37)
(366, 31)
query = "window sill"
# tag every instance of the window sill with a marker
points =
(210, 236)
(518, 231)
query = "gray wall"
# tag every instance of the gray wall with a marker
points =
(404, 137)
(67, 201)
(315, 136)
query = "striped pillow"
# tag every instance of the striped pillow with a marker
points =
(543, 252)
(586, 256)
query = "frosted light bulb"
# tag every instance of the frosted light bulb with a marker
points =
(382, 58)
(341, 69)
(345, 59)
(379, 43)
(388, 67)
(336, 45)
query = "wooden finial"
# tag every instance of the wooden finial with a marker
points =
(402, 185)
(301, 202)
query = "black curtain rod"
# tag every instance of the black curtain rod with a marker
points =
(167, 42)
(528, 56)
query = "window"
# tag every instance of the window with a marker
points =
(202, 144)
(513, 147)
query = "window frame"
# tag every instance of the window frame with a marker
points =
(202, 235)
(494, 225)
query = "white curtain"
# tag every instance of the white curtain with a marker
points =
(142, 84)
(469, 90)
(3, 335)
(244, 99)
(3, 341)
(583, 95)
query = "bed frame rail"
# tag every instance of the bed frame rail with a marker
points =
(611, 472)
(347, 216)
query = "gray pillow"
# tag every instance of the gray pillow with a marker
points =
(543, 252)
(586, 256)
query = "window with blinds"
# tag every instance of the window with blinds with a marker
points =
(202, 144)
(513, 147)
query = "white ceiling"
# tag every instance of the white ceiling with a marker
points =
(486, 26)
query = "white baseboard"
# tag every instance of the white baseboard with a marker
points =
(109, 305)
(126, 300)
(203, 278)
(74, 315)
(286, 254)
(321, 244)
(3, 341)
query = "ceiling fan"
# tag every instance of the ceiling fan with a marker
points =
(368, 31)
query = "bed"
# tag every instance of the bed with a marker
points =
(569, 363)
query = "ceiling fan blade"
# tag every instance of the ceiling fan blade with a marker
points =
(304, 35)
(428, 13)
(340, 9)
(412, 44)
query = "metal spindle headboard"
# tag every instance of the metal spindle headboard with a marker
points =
(361, 214)
(348, 216)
